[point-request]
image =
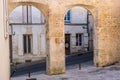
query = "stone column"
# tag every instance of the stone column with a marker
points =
(108, 34)
(55, 44)
(4, 49)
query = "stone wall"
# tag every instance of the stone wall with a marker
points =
(108, 33)
(106, 18)
(106, 39)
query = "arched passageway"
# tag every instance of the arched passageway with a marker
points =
(27, 35)
(28, 38)
(78, 30)
(106, 27)
(79, 26)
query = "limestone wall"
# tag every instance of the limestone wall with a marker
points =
(106, 20)
(108, 32)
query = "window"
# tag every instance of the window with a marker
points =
(27, 14)
(67, 17)
(27, 41)
(31, 14)
(78, 39)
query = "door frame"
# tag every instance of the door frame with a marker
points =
(68, 34)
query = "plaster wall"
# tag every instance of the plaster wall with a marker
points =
(4, 47)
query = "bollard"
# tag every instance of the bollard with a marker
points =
(29, 75)
(79, 66)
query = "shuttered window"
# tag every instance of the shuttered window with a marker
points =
(68, 17)
(78, 39)
(27, 41)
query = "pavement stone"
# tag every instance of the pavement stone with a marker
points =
(87, 72)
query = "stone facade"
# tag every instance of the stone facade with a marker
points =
(106, 31)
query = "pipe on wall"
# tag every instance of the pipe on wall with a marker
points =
(5, 18)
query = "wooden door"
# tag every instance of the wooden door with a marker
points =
(67, 43)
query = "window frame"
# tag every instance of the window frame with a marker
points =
(67, 18)
(27, 49)
(79, 39)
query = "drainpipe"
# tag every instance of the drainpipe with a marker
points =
(5, 17)
(88, 29)
(10, 42)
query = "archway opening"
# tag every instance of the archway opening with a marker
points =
(28, 36)
(79, 31)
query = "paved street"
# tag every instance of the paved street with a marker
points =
(41, 66)
(88, 72)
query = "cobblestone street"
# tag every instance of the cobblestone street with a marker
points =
(87, 72)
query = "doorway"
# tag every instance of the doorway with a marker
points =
(67, 44)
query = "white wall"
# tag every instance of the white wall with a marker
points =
(17, 15)
(78, 15)
(73, 30)
(38, 42)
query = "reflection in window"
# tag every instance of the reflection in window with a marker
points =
(67, 17)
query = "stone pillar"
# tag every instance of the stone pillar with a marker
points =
(55, 44)
(108, 34)
(4, 49)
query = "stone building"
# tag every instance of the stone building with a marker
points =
(28, 33)
(106, 16)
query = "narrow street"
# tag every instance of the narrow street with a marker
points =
(87, 72)
(41, 66)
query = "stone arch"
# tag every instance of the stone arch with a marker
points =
(90, 8)
(43, 8)
(19, 8)
(35, 1)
